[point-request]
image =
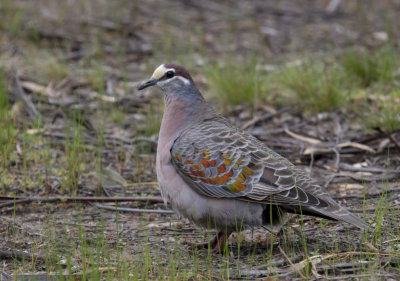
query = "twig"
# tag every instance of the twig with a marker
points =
(393, 140)
(319, 152)
(132, 210)
(373, 210)
(356, 145)
(106, 137)
(313, 260)
(29, 106)
(5, 276)
(332, 6)
(311, 163)
(129, 141)
(278, 264)
(386, 177)
(367, 195)
(15, 202)
(361, 276)
(380, 134)
(289, 261)
(22, 199)
(317, 145)
(265, 117)
(276, 272)
(309, 140)
(20, 255)
(328, 182)
(338, 137)
(344, 265)
(348, 167)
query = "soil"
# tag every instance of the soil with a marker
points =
(121, 42)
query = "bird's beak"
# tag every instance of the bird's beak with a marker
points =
(148, 83)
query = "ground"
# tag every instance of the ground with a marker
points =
(317, 81)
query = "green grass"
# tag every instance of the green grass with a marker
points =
(315, 86)
(95, 75)
(89, 244)
(152, 121)
(11, 18)
(117, 115)
(236, 82)
(367, 68)
(382, 110)
(7, 131)
(102, 254)
(73, 152)
(46, 66)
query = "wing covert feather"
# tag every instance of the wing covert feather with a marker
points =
(218, 160)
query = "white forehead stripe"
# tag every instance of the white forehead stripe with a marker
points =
(160, 71)
(184, 80)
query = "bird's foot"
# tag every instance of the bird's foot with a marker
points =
(216, 244)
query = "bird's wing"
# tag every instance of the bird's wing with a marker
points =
(218, 160)
(221, 161)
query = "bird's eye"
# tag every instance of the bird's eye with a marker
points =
(169, 74)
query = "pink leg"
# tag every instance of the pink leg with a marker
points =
(221, 239)
(217, 243)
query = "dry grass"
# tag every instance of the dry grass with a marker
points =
(84, 59)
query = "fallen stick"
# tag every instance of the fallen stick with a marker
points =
(23, 199)
(132, 210)
(373, 210)
(265, 117)
(368, 195)
(393, 140)
(289, 261)
(21, 255)
(28, 104)
(380, 134)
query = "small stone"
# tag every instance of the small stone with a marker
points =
(381, 35)
(244, 115)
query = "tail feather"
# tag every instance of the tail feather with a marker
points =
(344, 215)
(335, 212)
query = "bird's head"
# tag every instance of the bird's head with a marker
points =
(169, 77)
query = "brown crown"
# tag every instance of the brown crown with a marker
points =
(179, 70)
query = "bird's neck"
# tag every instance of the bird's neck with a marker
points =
(180, 113)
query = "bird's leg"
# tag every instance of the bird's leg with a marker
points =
(220, 241)
(216, 243)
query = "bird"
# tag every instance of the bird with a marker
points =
(221, 177)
